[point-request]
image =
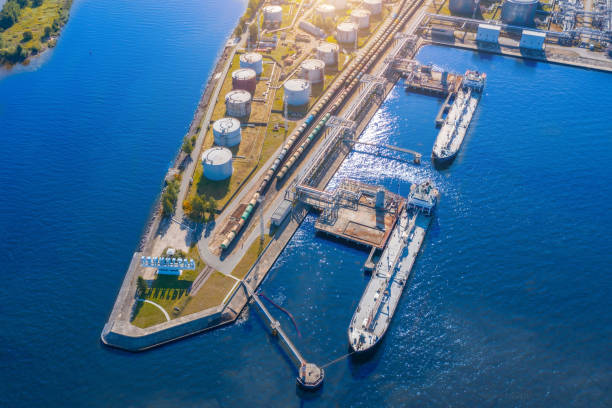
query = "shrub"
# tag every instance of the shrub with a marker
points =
(27, 36)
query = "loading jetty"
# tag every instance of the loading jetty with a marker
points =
(381, 296)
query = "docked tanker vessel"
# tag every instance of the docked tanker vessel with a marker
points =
(381, 296)
(458, 119)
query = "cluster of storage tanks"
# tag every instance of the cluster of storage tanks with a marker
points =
(514, 12)
(336, 94)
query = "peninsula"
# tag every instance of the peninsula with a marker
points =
(28, 27)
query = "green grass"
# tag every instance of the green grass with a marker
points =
(168, 292)
(35, 20)
(250, 257)
(211, 294)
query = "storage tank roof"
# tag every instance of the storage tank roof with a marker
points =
(273, 9)
(346, 26)
(313, 64)
(226, 125)
(326, 8)
(360, 12)
(296, 84)
(237, 96)
(217, 156)
(328, 47)
(373, 1)
(251, 57)
(244, 73)
(523, 1)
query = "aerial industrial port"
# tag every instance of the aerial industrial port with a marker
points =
(286, 103)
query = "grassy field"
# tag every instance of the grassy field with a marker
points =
(168, 292)
(211, 294)
(250, 257)
(49, 16)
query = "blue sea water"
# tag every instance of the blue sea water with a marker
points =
(509, 302)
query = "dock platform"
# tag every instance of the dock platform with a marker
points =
(364, 223)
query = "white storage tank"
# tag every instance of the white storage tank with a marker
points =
(339, 4)
(244, 78)
(297, 92)
(252, 60)
(313, 70)
(328, 53)
(238, 103)
(227, 132)
(462, 7)
(375, 6)
(217, 163)
(325, 11)
(361, 17)
(273, 14)
(346, 33)
(519, 12)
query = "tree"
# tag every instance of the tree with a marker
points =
(212, 208)
(167, 207)
(198, 209)
(141, 286)
(253, 32)
(27, 36)
(37, 3)
(188, 145)
(47, 33)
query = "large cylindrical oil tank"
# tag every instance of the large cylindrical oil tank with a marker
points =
(313, 70)
(346, 33)
(375, 6)
(339, 4)
(297, 92)
(227, 132)
(244, 78)
(519, 12)
(462, 7)
(325, 11)
(217, 163)
(238, 103)
(328, 53)
(361, 17)
(252, 60)
(273, 14)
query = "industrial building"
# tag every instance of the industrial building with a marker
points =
(217, 163)
(519, 12)
(488, 33)
(533, 40)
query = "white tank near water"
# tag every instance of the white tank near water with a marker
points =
(313, 70)
(361, 17)
(238, 103)
(325, 11)
(328, 53)
(217, 163)
(273, 14)
(297, 92)
(346, 33)
(375, 6)
(252, 60)
(227, 132)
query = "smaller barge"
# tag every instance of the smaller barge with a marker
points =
(451, 135)
(380, 298)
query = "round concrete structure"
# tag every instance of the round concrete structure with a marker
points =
(252, 60)
(273, 14)
(325, 11)
(244, 78)
(328, 53)
(462, 7)
(519, 12)
(227, 132)
(375, 6)
(346, 33)
(217, 163)
(238, 103)
(313, 70)
(361, 17)
(297, 92)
